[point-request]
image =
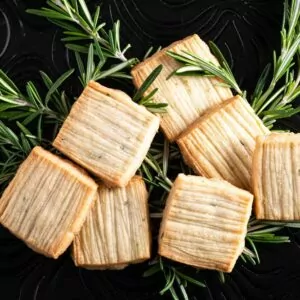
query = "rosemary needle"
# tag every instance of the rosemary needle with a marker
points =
(147, 100)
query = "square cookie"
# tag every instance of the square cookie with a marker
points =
(107, 133)
(221, 143)
(276, 177)
(205, 223)
(116, 232)
(47, 202)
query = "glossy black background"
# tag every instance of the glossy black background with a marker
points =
(247, 31)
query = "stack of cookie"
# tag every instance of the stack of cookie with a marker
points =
(95, 200)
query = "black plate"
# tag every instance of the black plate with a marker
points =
(247, 31)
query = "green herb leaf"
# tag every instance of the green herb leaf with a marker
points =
(195, 64)
(147, 83)
(56, 85)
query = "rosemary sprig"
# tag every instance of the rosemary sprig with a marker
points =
(27, 107)
(176, 277)
(273, 101)
(80, 25)
(75, 17)
(88, 36)
(195, 65)
(263, 232)
(94, 70)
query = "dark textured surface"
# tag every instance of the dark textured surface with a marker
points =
(247, 31)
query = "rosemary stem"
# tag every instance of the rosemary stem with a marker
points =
(23, 102)
(121, 56)
(102, 41)
(170, 183)
(264, 97)
(271, 100)
(285, 99)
